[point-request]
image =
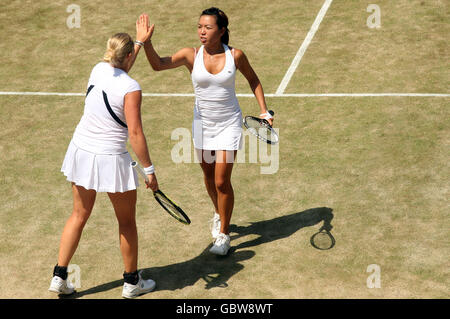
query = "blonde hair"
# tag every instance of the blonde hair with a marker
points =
(117, 49)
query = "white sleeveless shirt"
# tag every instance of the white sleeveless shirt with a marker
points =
(215, 94)
(217, 114)
(98, 132)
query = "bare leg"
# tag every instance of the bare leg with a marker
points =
(207, 163)
(125, 208)
(83, 202)
(225, 194)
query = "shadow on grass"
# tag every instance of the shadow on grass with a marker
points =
(213, 270)
(282, 227)
(216, 271)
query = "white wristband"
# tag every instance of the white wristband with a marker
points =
(266, 115)
(139, 43)
(149, 170)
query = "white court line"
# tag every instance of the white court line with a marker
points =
(365, 95)
(84, 94)
(43, 93)
(251, 95)
(301, 51)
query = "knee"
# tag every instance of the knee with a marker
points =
(223, 185)
(127, 221)
(80, 216)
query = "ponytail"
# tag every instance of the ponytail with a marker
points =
(117, 49)
(226, 37)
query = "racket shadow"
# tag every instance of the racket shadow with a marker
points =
(215, 271)
(281, 227)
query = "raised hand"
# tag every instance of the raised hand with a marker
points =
(143, 31)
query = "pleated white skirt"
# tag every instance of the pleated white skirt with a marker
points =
(102, 173)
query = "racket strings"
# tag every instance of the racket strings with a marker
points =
(167, 204)
(172, 208)
(260, 129)
(253, 123)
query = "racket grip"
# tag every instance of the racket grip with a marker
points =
(271, 112)
(140, 170)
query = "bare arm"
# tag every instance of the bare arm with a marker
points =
(132, 110)
(133, 57)
(183, 57)
(243, 65)
(142, 34)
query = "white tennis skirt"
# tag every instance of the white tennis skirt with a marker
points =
(102, 173)
(215, 136)
(215, 139)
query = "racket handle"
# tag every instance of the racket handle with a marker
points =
(271, 112)
(140, 170)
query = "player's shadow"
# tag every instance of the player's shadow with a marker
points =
(281, 227)
(215, 271)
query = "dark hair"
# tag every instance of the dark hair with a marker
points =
(221, 20)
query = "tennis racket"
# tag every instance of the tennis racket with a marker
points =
(169, 206)
(323, 239)
(261, 129)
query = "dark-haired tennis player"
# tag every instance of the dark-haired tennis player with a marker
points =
(217, 125)
(97, 161)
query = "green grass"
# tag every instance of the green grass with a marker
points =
(380, 163)
(407, 54)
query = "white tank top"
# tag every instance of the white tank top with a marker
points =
(98, 131)
(215, 94)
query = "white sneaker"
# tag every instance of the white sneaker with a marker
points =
(61, 286)
(221, 245)
(143, 286)
(215, 226)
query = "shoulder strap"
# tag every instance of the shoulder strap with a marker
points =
(114, 116)
(195, 53)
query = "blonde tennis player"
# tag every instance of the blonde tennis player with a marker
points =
(217, 125)
(97, 161)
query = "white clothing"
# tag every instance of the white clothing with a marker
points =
(98, 132)
(97, 157)
(217, 121)
(102, 173)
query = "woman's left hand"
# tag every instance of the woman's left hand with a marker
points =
(143, 31)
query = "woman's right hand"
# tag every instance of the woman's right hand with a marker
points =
(143, 31)
(152, 182)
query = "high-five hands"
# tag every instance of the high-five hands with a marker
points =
(144, 32)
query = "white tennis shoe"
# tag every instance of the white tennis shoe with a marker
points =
(61, 286)
(221, 245)
(215, 226)
(142, 287)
